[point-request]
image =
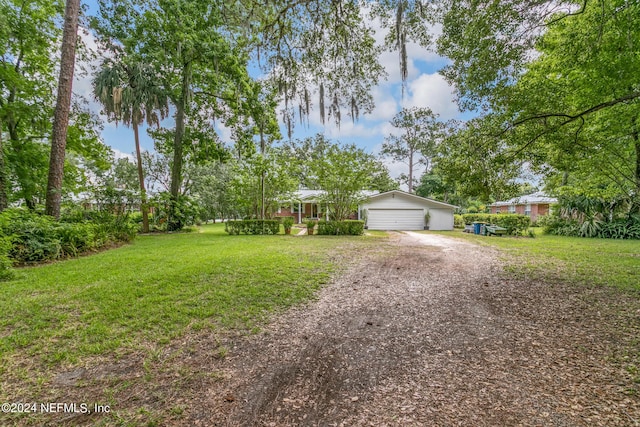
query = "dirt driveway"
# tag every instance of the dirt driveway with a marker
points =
(430, 331)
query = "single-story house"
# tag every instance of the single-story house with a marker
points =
(310, 204)
(532, 205)
(399, 210)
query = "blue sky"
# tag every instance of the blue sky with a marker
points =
(423, 88)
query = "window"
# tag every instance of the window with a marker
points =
(498, 210)
(527, 210)
(512, 209)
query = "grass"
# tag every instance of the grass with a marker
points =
(569, 259)
(156, 289)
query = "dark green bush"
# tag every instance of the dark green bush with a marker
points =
(253, 226)
(336, 228)
(514, 223)
(36, 238)
(6, 272)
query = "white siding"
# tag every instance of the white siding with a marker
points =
(441, 219)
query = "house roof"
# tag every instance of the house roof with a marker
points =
(529, 199)
(306, 195)
(404, 193)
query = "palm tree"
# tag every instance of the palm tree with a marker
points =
(128, 94)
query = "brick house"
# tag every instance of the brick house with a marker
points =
(532, 205)
(309, 204)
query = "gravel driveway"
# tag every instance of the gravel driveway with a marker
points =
(427, 330)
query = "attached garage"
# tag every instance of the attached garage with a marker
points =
(398, 210)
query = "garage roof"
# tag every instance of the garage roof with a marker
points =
(404, 193)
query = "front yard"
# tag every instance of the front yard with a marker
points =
(567, 259)
(143, 296)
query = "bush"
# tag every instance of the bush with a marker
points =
(514, 223)
(458, 221)
(6, 272)
(336, 228)
(252, 226)
(36, 238)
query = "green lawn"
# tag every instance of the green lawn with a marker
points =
(156, 289)
(569, 259)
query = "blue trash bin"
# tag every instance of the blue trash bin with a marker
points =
(477, 227)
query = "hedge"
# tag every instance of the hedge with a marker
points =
(336, 228)
(514, 223)
(29, 237)
(252, 226)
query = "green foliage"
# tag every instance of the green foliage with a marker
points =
(458, 221)
(545, 107)
(6, 272)
(421, 133)
(343, 171)
(582, 216)
(253, 226)
(514, 223)
(287, 223)
(172, 214)
(36, 238)
(338, 228)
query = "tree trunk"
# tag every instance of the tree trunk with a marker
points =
(174, 223)
(4, 200)
(63, 106)
(410, 170)
(144, 208)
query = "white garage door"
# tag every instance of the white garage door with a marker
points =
(396, 219)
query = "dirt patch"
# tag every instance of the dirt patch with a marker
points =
(423, 330)
(431, 332)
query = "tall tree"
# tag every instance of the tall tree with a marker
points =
(129, 93)
(311, 50)
(561, 78)
(342, 171)
(63, 106)
(28, 34)
(416, 144)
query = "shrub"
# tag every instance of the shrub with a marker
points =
(458, 221)
(347, 227)
(36, 238)
(6, 272)
(252, 226)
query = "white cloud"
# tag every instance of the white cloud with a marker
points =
(433, 91)
(117, 154)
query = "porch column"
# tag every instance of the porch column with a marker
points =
(299, 212)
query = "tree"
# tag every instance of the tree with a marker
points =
(561, 79)
(63, 106)
(476, 163)
(343, 172)
(201, 63)
(27, 38)
(417, 142)
(203, 51)
(129, 93)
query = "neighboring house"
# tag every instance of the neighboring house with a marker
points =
(310, 204)
(399, 210)
(532, 205)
